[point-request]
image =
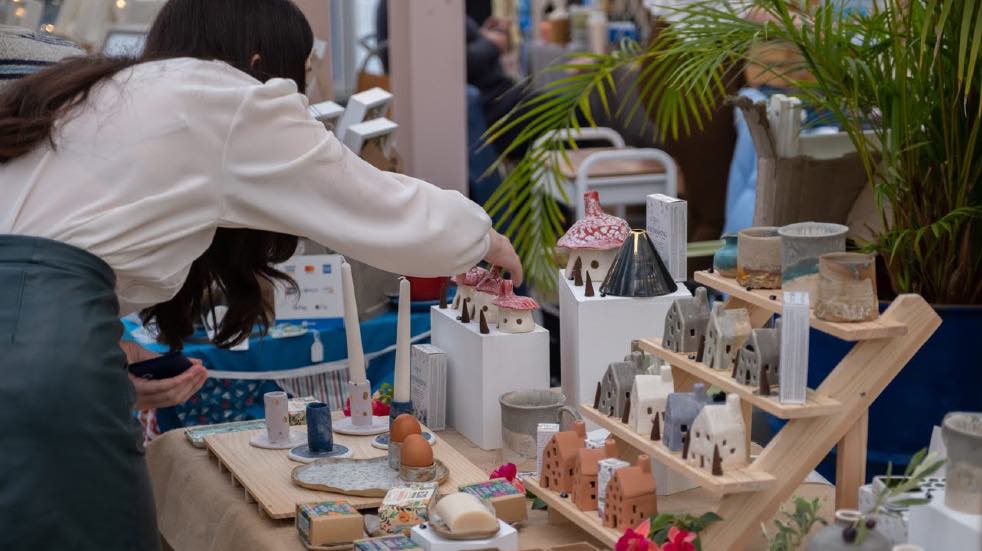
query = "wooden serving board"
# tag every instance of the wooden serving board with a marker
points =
(266, 475)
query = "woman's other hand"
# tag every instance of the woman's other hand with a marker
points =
(169, 392)
(502, 254)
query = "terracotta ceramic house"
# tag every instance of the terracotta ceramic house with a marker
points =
(484, 295)
(718, 438)
(559, 458)
(594, 240)
(630, 496)
(615, 386)
(761, 353)
(648, 396)
(514, 312)
(685, 323)
(681, 410)
(585, 472)
(467, 285)
(725, 334)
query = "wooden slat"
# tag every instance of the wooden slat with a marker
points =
(815, 405)
(732, 481)
(850, 464)
(881, 328)
(610, 168)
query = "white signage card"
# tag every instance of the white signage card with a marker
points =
(318, 294)
(666, 225)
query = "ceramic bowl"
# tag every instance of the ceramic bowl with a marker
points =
(759, 258)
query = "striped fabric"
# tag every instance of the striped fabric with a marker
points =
(24, 52)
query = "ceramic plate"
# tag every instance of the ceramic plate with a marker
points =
(382, 441)
(196, 435)
(378, 426)
(261, 440)
(355, 477)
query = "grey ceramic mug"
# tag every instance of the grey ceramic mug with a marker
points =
(521, 413)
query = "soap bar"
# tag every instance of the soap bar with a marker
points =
(387, 543)
(328, 522)
(465, 514)
(509, 503)
(406, 506)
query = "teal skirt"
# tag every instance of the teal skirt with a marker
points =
(72, 468)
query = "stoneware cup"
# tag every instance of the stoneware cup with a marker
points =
(277, 417)
(725, 259)
(320, 429)
(521, 413)
(847, 288)
(801, 245)
(962, 434)
(759, 258)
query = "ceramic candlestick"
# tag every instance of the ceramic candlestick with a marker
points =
(320, 436)
(801, 245)
(398, 408)
(403, 338)
(847, 288)
(277, 435)
(759, 258)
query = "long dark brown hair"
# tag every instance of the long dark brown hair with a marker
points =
(264, 38)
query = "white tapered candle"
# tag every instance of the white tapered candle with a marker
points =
(403, 335)
(352, 329)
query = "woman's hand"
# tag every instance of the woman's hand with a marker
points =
(169, 392)
(503, 255)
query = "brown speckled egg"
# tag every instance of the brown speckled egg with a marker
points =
(402, 426)
(416, 452)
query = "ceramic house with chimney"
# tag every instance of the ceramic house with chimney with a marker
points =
(594, 240)
(485, 294)
(649, 360)
(681, 410)
(514, 312)
(685, 323)
(759, 359)
(725, 334)
(467, 285)
(630, 497)
(616, 383)
(559, 458)
(585, 473)
(648, 397)
(718, 438)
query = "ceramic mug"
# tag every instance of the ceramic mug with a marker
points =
(962, 434)
(759, 258)
(521, 413)
(801, 245)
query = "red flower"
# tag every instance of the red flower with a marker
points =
(347, 407)
(679, 540)
(635, 540)
(380, 409)
(508, 471)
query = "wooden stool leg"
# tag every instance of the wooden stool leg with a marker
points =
(850, 464)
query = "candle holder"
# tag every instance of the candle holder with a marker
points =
(398, 408)
(320, 437)
(278, 435)
(362, 421)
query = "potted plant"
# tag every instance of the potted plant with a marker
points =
(902, 80)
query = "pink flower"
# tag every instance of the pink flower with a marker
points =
(347, 408)
(508, 471)
(679, 540)
(635, 540)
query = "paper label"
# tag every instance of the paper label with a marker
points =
(491, 489)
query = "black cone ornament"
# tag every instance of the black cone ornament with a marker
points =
(638, 271)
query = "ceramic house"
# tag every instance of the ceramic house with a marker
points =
(594, 240)
(648, 396)
(514, 312)
(649, 360)
(467, 285)
(585, 472)
(484, 295)
(725, 334)
(681, 410)
(630, 496)
(718, 438)
(685, 323)
(559, 457)
(761, 353)
(615, 386)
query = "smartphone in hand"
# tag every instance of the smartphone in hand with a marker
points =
(165, 366)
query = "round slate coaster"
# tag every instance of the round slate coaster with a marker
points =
(302, 454)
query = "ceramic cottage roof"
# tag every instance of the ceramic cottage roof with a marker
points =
(491, 283)
(597, 230)
(471, 278)
(589, 459)
(651, 386)
(568, 443)
(634, 482)
(508, 299)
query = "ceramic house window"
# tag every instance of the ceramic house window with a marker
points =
(650, 411)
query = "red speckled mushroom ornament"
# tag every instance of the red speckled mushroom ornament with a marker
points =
(594, 240)
(514, 312)
(467, 284)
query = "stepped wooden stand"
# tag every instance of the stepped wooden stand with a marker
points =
(834, 415)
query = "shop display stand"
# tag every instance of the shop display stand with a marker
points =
(834, 415)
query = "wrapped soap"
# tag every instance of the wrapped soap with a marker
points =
(543, 434)
(328, 522)
(465, 514)
(387, 543)
(297, 409)
(509, 503)
(605, 471)
(405, 506)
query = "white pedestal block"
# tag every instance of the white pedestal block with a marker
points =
(936, 527)
(505, 540)
(596, 331)
(480, 368)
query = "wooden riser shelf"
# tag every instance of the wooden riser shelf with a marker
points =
(879, 329)
(731, 482)
(815, 405)
(589, 521)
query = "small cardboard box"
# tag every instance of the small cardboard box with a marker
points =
(509, 503)
(328, 522)
(406, 506)
(387, 543)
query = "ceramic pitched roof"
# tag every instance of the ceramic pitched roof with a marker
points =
(651, 386)
(696, 306)
(597, 230)
(718, 416)
(634, 482)
(508, 298)
(568, 443)
(765, 339)
(589, 459)
(471, 278)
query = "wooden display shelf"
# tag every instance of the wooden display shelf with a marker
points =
(589, 521)
(815, 404)
(731, 482)
(881, 328)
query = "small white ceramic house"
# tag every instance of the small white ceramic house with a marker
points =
(760, 354)
(514, 312)
(718, 438)
(484, 295)
(725, 334)
(594, 240)
(467, 285)
(615, 386)
(648, 397)
(685, 323)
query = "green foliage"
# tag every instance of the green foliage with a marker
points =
(661, 524)
(794, 527)
(384, 393)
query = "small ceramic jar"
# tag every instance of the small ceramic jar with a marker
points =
(962, 433)
(759, 258)
(801, 245)
(834, 538)
(725, 259)
(847, 288)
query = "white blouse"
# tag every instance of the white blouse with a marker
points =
(166, 152)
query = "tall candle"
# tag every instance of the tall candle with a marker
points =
(352, 329)
(401, 390)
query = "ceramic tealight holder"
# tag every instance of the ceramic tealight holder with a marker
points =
(277, 435)
(801, 245)
(847, 288)
(759, 258)
(320, 436)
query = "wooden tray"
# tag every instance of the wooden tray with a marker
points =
(266, 475)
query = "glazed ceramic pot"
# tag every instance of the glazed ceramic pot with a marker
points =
(801, 245)
(759, 258)
(320, 435)
(725, 259)
(831, 537)
(638, 270)
(962, 433)
(847, 288)
(521, 413)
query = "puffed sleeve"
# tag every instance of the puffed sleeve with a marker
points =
(285, 172)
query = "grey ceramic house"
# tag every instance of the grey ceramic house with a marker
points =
(681, 410)
(761, 352)
(685, 323)
(616, 383)
(726, 332)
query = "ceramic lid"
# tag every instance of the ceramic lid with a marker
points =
(471, 278)
(491, 282)
(508, 298)
(597, 230)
